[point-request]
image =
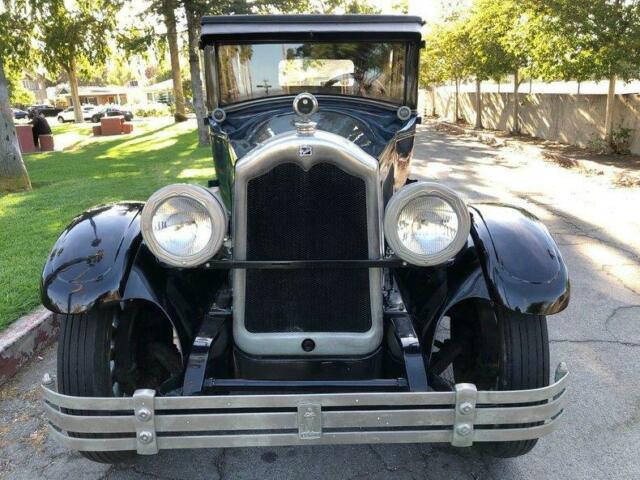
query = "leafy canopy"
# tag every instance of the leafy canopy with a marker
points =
(76, 33)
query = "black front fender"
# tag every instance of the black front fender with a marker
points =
(522, 265)
(91, 260)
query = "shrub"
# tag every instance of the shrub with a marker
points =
(152, 110)
(620, 140)
(598, 145)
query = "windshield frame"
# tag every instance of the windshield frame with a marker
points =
(212, 65)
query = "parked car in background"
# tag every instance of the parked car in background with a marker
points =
(46, 110)
(111, 112)
(19, 114)
(68, 114)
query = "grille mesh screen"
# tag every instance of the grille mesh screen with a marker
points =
(315, 215)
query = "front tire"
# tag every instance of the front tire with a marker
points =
(524, 365)
(60, 120)
(108, 352)
(84, 364)
(500, 350)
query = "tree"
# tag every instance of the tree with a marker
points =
(446, 56)
(432, 71)
(75, 36)
(599, 40)
(15, 26)
(487, 58)
(512, 27)
(194, 10)
(167, 9)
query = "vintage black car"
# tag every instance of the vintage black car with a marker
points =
(313, 293)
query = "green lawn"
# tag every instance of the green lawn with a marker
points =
(93, 172)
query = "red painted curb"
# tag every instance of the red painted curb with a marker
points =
(24, 339)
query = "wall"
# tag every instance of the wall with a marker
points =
(572, 119)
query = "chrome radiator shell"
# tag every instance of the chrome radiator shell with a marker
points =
(307, 149)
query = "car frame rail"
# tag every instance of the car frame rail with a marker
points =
(147, 423)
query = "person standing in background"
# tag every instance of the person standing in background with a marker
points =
(40, 126)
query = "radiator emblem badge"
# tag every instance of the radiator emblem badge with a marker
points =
(305, 151)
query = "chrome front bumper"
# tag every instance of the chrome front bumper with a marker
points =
(146, 423)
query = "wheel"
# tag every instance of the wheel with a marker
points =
(111, 353)
(497, 349)
(95, 119)
(60, 119)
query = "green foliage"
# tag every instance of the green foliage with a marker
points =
(446, 54)
(16, 27)
(598, 145)
(152, 110)
(77, 37)
(589, 39)
(18, 94)
(401, 6)
(620, 140)
(556, 39)
(348, 6)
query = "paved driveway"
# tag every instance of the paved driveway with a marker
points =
(598, 336)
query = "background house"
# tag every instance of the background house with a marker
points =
(161, 92)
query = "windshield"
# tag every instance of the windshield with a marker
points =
(372, 70)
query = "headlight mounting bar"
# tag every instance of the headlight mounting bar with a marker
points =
(390, 262)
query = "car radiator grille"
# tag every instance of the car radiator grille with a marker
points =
(318, 214)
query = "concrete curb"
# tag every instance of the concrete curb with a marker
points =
(24, 339)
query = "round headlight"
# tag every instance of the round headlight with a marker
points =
(426, 223)
(184, 225)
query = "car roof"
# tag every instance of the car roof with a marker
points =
(243, 28)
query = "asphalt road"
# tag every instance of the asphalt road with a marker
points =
(596, 226)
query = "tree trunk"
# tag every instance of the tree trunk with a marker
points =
(478, 125)
(168, 10)
(75, 97)
(516, 104)
(13, 173)
(457, 102)
(196, 79)
(608, 118)
(433, 102)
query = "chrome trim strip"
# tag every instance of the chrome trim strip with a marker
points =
(253, 423)
(326, 148)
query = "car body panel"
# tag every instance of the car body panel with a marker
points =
(90, 261)
(372, 126)
(522, 264)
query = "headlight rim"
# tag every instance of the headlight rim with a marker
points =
(212, 204)
(409, 192)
